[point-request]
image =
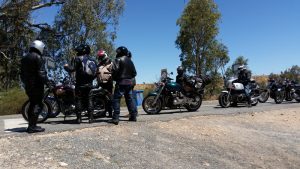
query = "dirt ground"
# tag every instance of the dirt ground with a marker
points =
(256, 140)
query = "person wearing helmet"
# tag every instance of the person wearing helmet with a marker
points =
(123, 71)
(34, 77)
(244, 77)
(181, 77)
(104, 77)
(84, 81)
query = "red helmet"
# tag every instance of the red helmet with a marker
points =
(102, 55)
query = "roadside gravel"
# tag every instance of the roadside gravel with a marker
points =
(252, 140)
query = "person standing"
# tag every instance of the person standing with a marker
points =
(34, 77)
(85, 71)
(123, 71)
(104, 77)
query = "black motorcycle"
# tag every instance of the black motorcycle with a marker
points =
(61, 99)
(170, 95)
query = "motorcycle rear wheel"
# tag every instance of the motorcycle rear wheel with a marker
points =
(43, 116)
(149, 108)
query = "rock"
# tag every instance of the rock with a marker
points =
(135, 134)
(63, 164)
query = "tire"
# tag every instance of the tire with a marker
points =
(54, 107)
(279, 97)
(147, 105)
(223, 101)
(254, 103)
(264, 97)
(198, 101)
(43, 116)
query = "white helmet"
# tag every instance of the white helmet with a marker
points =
(242, 67)
(39, 45)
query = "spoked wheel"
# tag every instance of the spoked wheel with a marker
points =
(195, 104)
(224, 100)
(150, 107)
(264, 96)
(43, 116)
(54, 107)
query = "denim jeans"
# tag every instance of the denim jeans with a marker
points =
(125, 90)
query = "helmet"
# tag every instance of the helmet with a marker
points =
(129, 54)
(87, 49)
(180, 70)
(83, 49)
(38, 45)
(102, 55)
(122, 51)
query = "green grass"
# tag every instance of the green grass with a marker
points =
(11, 101)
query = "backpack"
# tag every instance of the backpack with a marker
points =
(104, 73)
(89, 66)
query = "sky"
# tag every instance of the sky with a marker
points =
(264, 31)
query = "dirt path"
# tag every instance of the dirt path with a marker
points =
(254, 140)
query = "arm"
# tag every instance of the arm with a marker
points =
(42, 73)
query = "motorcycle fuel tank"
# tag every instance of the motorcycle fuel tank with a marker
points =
(173, 86)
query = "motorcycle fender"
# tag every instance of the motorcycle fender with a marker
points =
(153, 94)
(224, 91)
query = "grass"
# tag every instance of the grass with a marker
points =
(11, 101)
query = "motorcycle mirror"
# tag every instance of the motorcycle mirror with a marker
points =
(171, 73)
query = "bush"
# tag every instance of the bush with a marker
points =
(11, 101)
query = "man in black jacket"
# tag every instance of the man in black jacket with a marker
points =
(123, 71)
(34, 77)
(83, 83)
(244, 77)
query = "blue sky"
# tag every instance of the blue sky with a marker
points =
(264, 31)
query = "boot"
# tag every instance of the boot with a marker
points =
(91, 117)
(114, 121)
(132, 118)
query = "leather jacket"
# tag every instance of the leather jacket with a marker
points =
(33, 73)
(244, 77)
(123, 69)
(81, 77)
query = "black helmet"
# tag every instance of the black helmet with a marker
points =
(83, 49)
(122, 51)
(87, 49)
(180, 70)
(129, 54)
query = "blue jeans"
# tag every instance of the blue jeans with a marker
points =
(125, 90)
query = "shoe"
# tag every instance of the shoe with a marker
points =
(114, 121)
(249, 105)
(35, 129)
(91, 118)
(132, 119)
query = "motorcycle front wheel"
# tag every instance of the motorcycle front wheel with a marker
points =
(264, 96)
(279, 97)
(150, 107)
(195, 105)
(224, 100)
(44, 114)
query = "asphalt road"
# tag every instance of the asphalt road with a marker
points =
(15, 125)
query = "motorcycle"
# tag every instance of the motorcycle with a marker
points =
(171, 95)
(61, 99)
(235, 93)
(287, 90)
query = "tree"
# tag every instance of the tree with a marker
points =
(17, 30)
(91, 22)
(198, 30)
(241, 60)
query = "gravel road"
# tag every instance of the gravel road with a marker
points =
(219, 138)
